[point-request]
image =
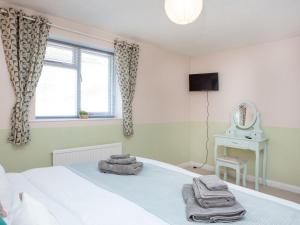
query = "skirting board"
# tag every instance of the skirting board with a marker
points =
(270, 183)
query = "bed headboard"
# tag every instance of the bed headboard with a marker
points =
(69, 156)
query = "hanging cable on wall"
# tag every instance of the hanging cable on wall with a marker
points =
(207, 133)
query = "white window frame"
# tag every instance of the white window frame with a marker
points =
(77, 66)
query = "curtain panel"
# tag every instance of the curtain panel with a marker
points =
(24, 43)
(126, 65)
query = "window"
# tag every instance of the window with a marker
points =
(75, 78)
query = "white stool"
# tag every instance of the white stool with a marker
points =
(234, 163)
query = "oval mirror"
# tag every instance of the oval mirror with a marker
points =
(245, 115)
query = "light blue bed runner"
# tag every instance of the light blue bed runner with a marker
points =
(158, 190)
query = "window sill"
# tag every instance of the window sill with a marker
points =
(73, 119)
(73, 122)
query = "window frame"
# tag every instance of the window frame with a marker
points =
(77, 49)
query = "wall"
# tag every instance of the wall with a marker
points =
(160, 110)
(169, 121)
(269, 76)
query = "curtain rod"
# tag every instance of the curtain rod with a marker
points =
(68, 29)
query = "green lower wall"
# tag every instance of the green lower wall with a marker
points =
(284, 150)
(166, 142)
(170, 142)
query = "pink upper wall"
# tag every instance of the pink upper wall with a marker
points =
(162, 89)
(267, 74)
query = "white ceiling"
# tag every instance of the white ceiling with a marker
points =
(223, 24)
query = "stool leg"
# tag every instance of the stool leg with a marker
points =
(217, 169)
(225, 173)
(244, 175)
(238, 176)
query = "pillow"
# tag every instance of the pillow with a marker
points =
(6, 194)
(3, 212)
(32, 212)
(2, 170)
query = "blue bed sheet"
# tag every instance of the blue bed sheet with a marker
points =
(158, 190)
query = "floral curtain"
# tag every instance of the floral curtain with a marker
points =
(24, 44)
(126, 65)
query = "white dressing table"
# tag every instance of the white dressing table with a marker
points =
(245, 133)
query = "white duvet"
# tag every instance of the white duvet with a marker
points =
(76, 201)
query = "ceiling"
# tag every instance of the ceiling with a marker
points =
(223, 24)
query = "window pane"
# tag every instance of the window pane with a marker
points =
(56, 93)
(95, 84)
(59, 53)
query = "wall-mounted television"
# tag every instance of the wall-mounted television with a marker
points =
(204, 82)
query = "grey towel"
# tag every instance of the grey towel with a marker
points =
(131, 169)
(125, 161)
(210, 199)
(196, 213)
(213, 183)
(121, 156)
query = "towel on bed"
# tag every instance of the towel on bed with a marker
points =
(213, 183)
(124, 161)
(131, 169)
(211, 199)
(196, 213)
(120, 156)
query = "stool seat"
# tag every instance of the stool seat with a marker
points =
(235, 163)
(230, 159)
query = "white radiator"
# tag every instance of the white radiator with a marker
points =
(69, 156)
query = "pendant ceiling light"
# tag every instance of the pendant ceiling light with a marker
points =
(183, 11)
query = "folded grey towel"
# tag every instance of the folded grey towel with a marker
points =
(196, 213)
(120, 156)
(125, 161)
(210, 199)
(131, 169)
(213, 183)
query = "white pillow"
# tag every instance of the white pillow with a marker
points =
(3, 212)
(6, 193)
(2, 170)
(32, 212)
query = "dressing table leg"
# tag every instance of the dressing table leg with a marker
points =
(238, 175)
(225, 168)
(217, 169)
(265, 161)
(216, 154)
(257, 170)
(245, 175)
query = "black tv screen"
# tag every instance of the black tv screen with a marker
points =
(204, 82)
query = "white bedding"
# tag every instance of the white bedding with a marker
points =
(76, 201)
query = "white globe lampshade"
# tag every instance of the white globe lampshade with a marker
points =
(183, 11)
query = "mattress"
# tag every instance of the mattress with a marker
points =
(76, 200)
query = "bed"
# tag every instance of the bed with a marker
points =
(78, 194)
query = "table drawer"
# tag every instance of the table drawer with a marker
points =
(235, 143)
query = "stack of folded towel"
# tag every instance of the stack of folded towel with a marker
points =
(120, 164)
(209, 200)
